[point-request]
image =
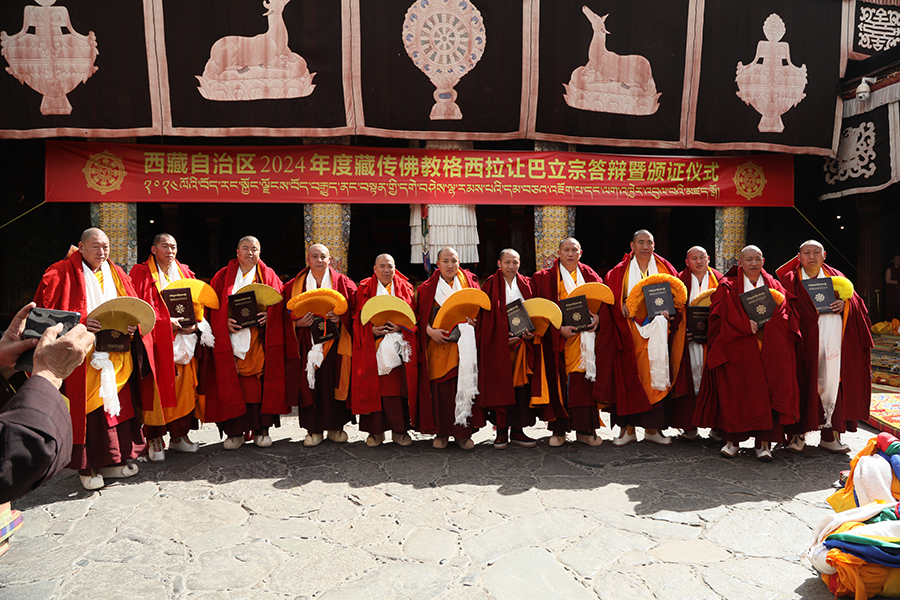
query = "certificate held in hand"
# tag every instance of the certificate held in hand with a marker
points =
(821, 292)
(519, 321)
(759, 305)
(658, 298)
(180, 305)
(243, 309)
(575, 313)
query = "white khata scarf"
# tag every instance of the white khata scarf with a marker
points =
(656, 332)
(467, 380)
(512, 291)
(588, 339)
(240, 341)
(94, 297)
(316, 354)
(393, 350)
(695, 350)
(829, 376)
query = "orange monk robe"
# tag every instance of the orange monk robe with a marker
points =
(298, 345)
(366, 383)
(172, 394)
(634, 392)
(63, 287)
(436, 361)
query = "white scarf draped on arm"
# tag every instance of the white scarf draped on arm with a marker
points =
(656, 332)
(94, 297)
(240, 340)
(393, 350)
(588, 339)
(695, 350)
(316, 355)
(831, 327)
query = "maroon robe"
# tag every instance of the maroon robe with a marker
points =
(366, 383)
(425, 419)
(855, 390)
(683, 411)
(747, 389)
(225, 398)
(546, 285)
(299, 343)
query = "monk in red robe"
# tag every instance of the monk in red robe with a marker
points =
(439, 360)
(318, 375)
(834, 366)
(582, 360)
(749, 386)
(385, 377)
(506, 362)
(105, 431)
(698, 277)
(171, 398)
(245, 393)
(638, 402)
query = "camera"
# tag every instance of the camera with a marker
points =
(863, 90)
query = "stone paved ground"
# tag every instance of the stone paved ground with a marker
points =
(347, 522)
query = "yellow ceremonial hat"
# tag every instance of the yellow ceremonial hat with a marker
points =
(318, 302)
(459, 306)
(119, 313)
(381, 309)
(543, 313)
(596, 294)
(202, 295)
(266, 295)
(704, 299)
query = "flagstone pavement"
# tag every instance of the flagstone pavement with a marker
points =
(344, 521)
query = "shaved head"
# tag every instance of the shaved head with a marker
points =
(697, 261)
(570, 240)
(639, 232)
(509, 251)
(318, 248)
(161, 236)
(750, 248)
(696, 249)
(91, 233)
(251, 239)
(384, 256)
(384, 268)
(447, 249)
(812, 243)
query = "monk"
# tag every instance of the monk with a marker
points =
(749, 386)
(385, 373)
(834, 366)
(638, 402)
(698, 277)
(245, 393)
(171, 398)
(439, 411)
(105, 431)
(506, 362)
(319, 374)
(582, 360)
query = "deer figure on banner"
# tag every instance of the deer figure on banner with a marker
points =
(256, 68)
(631, 71)
(269, 49)
(610, 82)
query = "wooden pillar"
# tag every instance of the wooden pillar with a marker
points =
(871, 263)
(552, 224)
(731, 235)
(328, 224)
(118, 220)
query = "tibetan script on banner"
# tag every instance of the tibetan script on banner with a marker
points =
(133, 173)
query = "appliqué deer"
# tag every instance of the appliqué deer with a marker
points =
(631, 71)
(269, 49)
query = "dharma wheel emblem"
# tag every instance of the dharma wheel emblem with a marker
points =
(516, 321)
(104, 172)
(658, 302)
(820, 297)
(245, 312)
(576, 317)
(179, 309)
(444, 39)
(749, 180)
(761, 310)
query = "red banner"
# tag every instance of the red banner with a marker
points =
(98, 172)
